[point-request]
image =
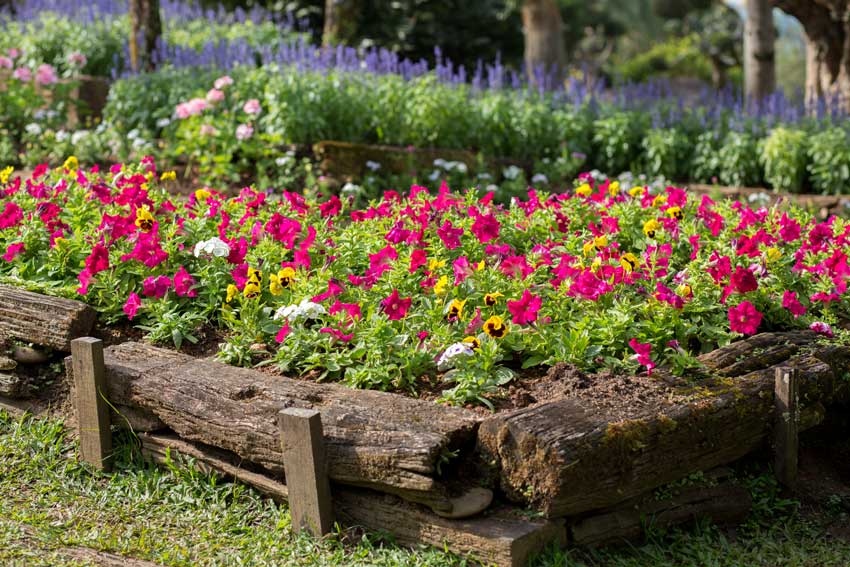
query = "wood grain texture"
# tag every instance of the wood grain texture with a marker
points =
(383, 441)
(41, 319)
(503, 537)
(567, 457)
(306, 475)
(787, 425)
(93, 421)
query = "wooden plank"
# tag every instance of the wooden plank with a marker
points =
(92, 410)
(572, 456)
(306, 475)
(42, 319)
(384, 441)
(786, 440)
(504, 537)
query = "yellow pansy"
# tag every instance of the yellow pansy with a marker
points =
(588, 248)
(614, 188)
(274, 284)
(434, 264)
(584, 190)
(637, 191)
(456, 309)
(286, 276)
(440, 286)
(659, 200)
(629, 262)
(255, 275)
(675, 213)
(480, 266)
(251, 290)
(5, 173)
(232, 290)
(773, 254)
(71, 164)
(600, 242)
(683, 290)
(650, 227)
(144, 219)
(491, 299)
(168, 176)
(495, 327)
(473, 342)
(202, 195)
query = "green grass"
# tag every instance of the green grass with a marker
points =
(175, 516)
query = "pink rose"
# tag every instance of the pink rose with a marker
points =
(252, 106)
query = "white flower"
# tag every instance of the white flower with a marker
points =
(33, 128)
(434, 175)
(163, 122)
(62, 135)
(214, 247)
(283, 161)
(79, 136)
(304, 310)
(351, 189)
(760, 198)
(492, 187)
(539, 178)
(460, 166)
(452, 353)
(511, 172)
(485, 176)
(373, 165)
(439, 162)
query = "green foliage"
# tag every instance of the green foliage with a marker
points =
(676, 57)
(667, 152)
(738, 160)
(706, 159)
(829, 160)
(616, 141)
(785, 159)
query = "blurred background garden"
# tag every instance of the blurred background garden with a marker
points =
(502, 93)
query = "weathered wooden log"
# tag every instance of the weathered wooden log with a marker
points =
(41, 319)
(504, 538)
(571, 456)
(727, 503)
(13, 385)
(383, 441)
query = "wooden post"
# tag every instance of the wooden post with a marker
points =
(787, 425)
(306, 474)
(92, 410)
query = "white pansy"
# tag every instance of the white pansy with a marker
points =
(452, 353)
(305, 310)
(214, 247)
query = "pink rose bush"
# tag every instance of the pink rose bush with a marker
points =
(428, 282)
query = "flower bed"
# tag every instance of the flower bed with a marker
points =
(425, 286)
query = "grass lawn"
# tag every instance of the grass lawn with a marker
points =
(54, 512)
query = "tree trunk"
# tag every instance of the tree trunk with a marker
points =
(827, 27)
(145, 30)
(341, 17)
(759, 50)
(545, 54)
(577, 454)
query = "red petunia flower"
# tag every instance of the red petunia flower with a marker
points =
(524, 310)
(792, 304)
(395, 306)
(744, 318)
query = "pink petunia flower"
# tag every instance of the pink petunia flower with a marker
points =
(156, 286)
(744, 318)
(524, 310)
(252, 106)
(450, 235)
(131, 306)
(643, 354)
(792, 304)
(13, 250)
(244, 132)
(395, 306)
(821, 328)
(183, 283)
(45, 75)
(282, 333)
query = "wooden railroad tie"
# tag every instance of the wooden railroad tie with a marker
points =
(787, 425)
(93, 421)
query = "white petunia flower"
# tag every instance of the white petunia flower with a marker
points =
(304, 310)
(213, 247)
(451, 354)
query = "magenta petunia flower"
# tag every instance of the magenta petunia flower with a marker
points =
(395, 306)
(643, 352)
(334, 289)
(337, 334)
(462, 269)
(331, 207)
(524, 310)
(156, 286)
(282, 333)
(352, 309)
(450, 235)
(744, 318)
(131, 306)
(822, 328)
(486, 228)
(11, 215)
(792, 304)
(13, 250)
(418, 258)
(183, 283)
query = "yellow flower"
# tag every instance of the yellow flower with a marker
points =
(480, 265)
(650, 227)
(584, 190)
(255, 275)
(144, 219)
(456, 309)
(5, 174)
(149, 176)
(600, 242)
(491, 299)
(434, 264)
(675, 213)
(636, 191)
(71, 164)
(495, 327)
(473, 342)
(169, 176)
(659, 200)
(614, 188)
(684, 290)
(588, 248)
(773, 254)
(274, 284)
(597, 262)
(629, 262)
(286, 276)
(232, 290)
(252, 290)
(440, 286)
(202, 195)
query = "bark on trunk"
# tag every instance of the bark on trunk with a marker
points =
(341, 18)
(544, 42)
(47, 321)
(759, 50)
(827, 27)
(571, 456)
(145, 30)
(374, 439)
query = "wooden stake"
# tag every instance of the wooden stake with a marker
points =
(306, 474)
(92, 410)
(787, 425)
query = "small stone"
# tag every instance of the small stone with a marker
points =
(472, 502)
(7, 363)
(29, 355)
